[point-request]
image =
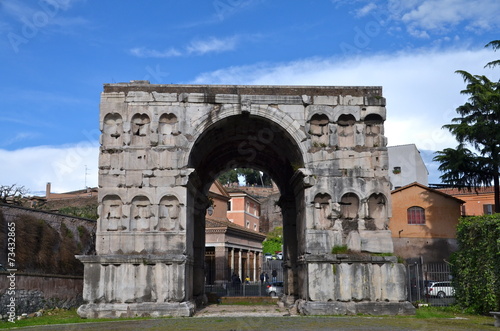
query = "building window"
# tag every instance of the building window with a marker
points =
(488, 209)
(416, 215)
(248, 224)
(255, 227)
(229, 205)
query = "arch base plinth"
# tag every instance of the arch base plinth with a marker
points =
(144, 309)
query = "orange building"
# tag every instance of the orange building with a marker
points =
(478, 201)
(243, 209)
(424, 222)
(229, 246)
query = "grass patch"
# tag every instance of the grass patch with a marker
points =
(433, 312)
(59, 316)
(340, 249)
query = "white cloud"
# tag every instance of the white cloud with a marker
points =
(144, 52)
(63, 166)
(421, 88)
(42, 13)
(367, 9)
(20, 136)
(438, 16)
(195, 47)
(210, 45)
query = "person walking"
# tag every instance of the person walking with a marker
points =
(274, 274)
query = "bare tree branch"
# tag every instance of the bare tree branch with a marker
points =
(12, 193)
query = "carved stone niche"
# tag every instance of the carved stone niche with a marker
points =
(349, 206)
(140, 214)
(374, 130)
(377, 212)
(319, 130)
(168, 129)
(323, 211)
(140, 127)
(112, 130)
(345, 131)
(169, 212)
(111, 213)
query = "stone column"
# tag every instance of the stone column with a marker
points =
(287, 204)
(254, 256)
(232, 260)
(239, 264)
(220, 264)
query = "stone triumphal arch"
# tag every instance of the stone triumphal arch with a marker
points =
(163, 145)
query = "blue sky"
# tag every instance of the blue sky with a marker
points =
(56, 54)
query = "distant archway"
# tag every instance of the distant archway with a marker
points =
(253, 142)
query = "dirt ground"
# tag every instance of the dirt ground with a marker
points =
(270, 317)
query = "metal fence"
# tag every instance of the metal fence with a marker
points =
(229, 283)
(420, 276)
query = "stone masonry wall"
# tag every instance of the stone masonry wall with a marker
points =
(34, 292)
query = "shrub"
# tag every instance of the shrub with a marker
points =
(476, 264)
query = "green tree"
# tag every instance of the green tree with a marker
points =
(479, 126)
(274, 241)
(229, 177)
(251, 176)
(495, 44)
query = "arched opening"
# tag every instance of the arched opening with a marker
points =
(319, 130)
(374, 130)
(244, 141)
(346, 130)
(377, 212)
(140, 129)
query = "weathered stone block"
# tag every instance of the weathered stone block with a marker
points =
(375, 101)
(138, 96)
(164, 97)
(227, 98)
(325, 100)
(376, 241)
(272, 99)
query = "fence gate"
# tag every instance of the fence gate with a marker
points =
(421, 276)
(239, 286)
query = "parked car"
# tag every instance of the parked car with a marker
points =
(440, 289)
(275, 289)
(268, 256)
